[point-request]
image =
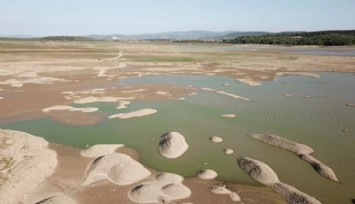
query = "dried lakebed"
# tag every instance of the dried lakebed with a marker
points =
(316, 121)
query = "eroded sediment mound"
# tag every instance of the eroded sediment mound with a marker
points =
(134, 114)
(172, 145)
(165, 187)
(100, 150)
(259, 171)
(301, 150)
(57, 199)
(283, 143)
(207, 174)
(216, 139)
(117, 168)
(25, 162)
(262, 173)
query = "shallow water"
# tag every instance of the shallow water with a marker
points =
(317, 121)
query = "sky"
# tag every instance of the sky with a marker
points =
(84, 17)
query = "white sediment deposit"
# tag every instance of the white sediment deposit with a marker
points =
(25, 162)
(351, 104)
(229, 116)
(122, 104)
(216, 139)
(1, 98)
(100, 150)
(117, 168)
(163, 188)
(38, 80)
(172, 145)
(134, 114)
(57, 199)
(300, 150)
(250, 82)
(226, 94)
(207, 174)
(228, 151)
(306, 74)
(92, 99)
(263, 174)
(218, 189)
(69, 108)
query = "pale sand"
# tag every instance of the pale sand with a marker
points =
(92, 99)
(300, 150)
(134, 114)
(89, 91)
(163, 188)
(1, 98)
(229, 116)
(69, 108)
(228, 151)
(134, 91)
(123, 104)
(221, 189)
(216, 139)
(262, 173)
(172, 145)
(226, 94)
(249, 82)
(40, 80)
(117, 168)
(57, 199)
(27, 161)
(164, 93)
(306, 74)
(351, 104)
(100, 150)
(207, 174)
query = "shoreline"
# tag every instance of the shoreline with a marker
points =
(65, 183)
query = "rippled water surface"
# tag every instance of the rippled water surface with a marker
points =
(315, 115)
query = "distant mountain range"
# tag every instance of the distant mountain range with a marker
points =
(187, 35)
(179, 35)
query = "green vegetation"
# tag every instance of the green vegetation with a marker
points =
(325, 38)
(66, 38)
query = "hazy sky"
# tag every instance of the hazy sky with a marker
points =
(81, 17)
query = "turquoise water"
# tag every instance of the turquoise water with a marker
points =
(317, 121)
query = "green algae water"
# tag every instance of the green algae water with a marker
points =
(315, 115)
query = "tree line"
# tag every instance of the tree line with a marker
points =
(323, 38)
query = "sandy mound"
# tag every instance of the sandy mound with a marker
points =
(172, 145)
(100, 150)
(258, 171)
(350, 104)
(218, 189)
(57, 199)
(216, 139)
(228, 151)
(92, 99)
(122, 104)
(229, 116)
(249, 82)
(25, 162)
(262, 173)
(283, 143)
(301, 150)
(38, 80)
(207, 174)
(164, 188)
(226, 94)
(321, 168)
(69, 108)
(168, 178)
(134, 114)
(305, 74)
(117, 168)
(293, 195)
